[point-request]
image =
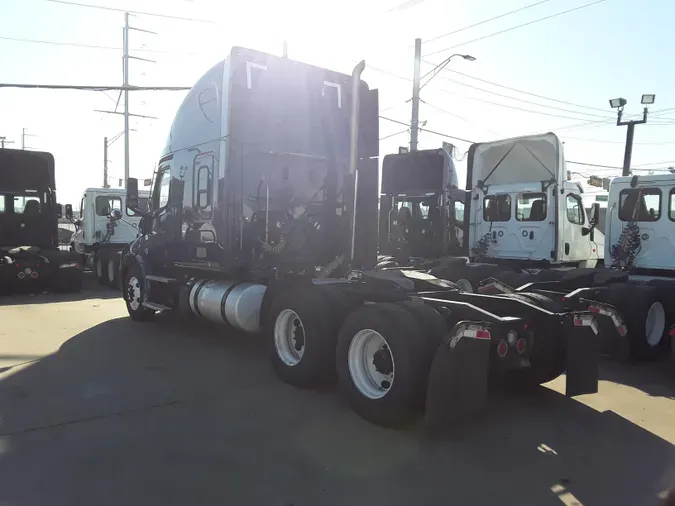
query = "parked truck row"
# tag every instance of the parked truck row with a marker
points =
(263, 216)
(520, 222)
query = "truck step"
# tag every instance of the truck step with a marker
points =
(200, 265)
(155, 306)
(160, 279)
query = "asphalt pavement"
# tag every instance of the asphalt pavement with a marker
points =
(98, 410)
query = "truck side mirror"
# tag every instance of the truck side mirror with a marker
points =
(132, 193)
(69, 211)
(595, 215)
(59, 211)
(585, 231)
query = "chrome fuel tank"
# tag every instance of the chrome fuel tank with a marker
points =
(236, 303)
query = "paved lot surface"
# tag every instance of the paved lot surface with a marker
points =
(98, 410)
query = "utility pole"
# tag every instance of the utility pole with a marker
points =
(417, 87)
(619, 103)
(125, 82)
(105, 163)
(285, 48)
(414, 120)
(23, 138)
(125, 89)
(3, 141)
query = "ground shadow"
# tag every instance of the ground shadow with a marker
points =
(170, 413)
(91, 289)
(653, 378)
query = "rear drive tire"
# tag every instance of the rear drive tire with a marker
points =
(302, 336)
(133, 293)
(383, 364)
(645, 317)
(433, 325)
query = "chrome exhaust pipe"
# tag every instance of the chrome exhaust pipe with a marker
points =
(354, 146)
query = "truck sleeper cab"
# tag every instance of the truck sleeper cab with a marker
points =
(263, 217)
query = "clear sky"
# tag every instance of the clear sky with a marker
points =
(579, 59)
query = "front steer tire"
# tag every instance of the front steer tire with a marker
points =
(133, 293)
(404, 398)
(313, 337)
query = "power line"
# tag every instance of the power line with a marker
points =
(538, 20)
(606, 141)
(432, 39)
(526, 101)
(427, 130)
(520, 91)
(91, 46)
(94, 88)
(406, 5)
(140, 13)
(494, 103)
(395, 134)
(593, 165)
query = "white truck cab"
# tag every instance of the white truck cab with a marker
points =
(523, 208)
(98, 237)
(647, 205)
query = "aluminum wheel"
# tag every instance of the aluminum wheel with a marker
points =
(133, 293)
(371, 364)
(655, 324)
(289, 337)
(464, 285)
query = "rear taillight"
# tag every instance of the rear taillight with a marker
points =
(671, 332)
(586, 321)
(521, 346)
(472, 331)
(502, 349)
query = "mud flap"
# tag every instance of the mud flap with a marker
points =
(458, 382)
(582, 346)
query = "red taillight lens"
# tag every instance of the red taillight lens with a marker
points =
(502, 349)
(483, 334)
(594, 309)
(521, 345)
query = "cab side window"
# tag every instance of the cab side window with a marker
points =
(105, 205)
(575, 210)
(161, 194)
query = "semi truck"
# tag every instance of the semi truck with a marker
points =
(99, 238)
(525, 226)
(263, 217)
(30, 258)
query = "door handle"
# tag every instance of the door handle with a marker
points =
(531, 234)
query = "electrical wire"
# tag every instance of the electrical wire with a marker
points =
(92, 46)
(432, 39)
(492, 83)
(94, 88)
(538, 20)
(395, 134)
(406, 5)
(427, 130)
(139, 13)
(525, 101)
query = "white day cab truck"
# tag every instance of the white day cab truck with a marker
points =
(99, 238)
(263, 217)
(526, 223)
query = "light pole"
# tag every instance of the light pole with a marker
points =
(417, 86)
(618, 104)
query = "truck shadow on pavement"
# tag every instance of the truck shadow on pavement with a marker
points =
(167, 413)
(656, 379)
(23, 299)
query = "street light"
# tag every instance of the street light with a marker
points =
(618, 104)
(615, 103)
(414, 121)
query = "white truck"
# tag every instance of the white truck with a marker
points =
(99, 238)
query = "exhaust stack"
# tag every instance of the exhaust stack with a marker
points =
(354, 147)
